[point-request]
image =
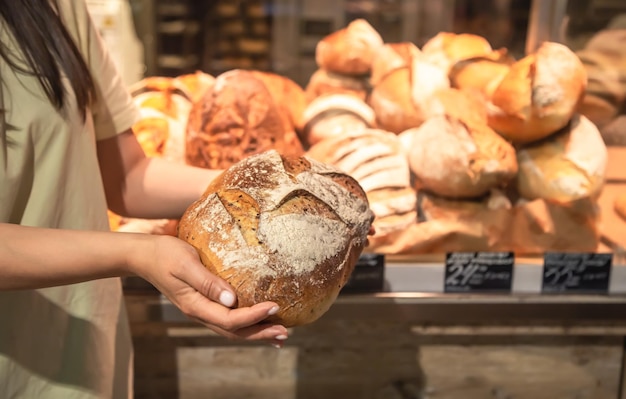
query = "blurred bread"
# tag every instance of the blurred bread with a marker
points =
(349, 50)
(236, 118)
(539, 94)
(446, 48)
(566, 167)
(282, 229)
(194, 84)
(619, 205)
(290, 99)
(455, 159)
(335, 115)
(402, 98)
(324, 82)
(392, 56)
(480, 74)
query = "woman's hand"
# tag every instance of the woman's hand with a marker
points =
(174, 268)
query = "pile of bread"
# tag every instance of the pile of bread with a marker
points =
(458, 146)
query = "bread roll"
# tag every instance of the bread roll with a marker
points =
(455, 159)
(350, 50)
(446, 48)
(194, 84)
(282, 229)
(236, 118)
(323, 82)
(288, 95)
(164, 110)
(481, 74)
(402, 98)
(335, 115)
(569, 166)
(392, 56)
(375, 159)
(539, 94)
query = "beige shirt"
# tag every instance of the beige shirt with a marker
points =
(72, 341)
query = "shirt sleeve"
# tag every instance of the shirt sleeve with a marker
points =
(113, 109)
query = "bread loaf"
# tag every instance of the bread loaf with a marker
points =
(349, 50)
(619, 205)
(402, 98)
(236, 118)
(323, 82)
(375, 159)
(282, 229)
(335, 115)
(539, 94)
(392, 56)
(566, 167)
(456, 159)
(194, 84)
(481, 74)
(446, 48)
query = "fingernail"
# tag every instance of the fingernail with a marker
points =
(281, 337)
(273, 311)
(227, 298)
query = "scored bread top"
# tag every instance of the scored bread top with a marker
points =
(281, 215)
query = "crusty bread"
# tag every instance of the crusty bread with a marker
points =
(290, 99)
(335, 115)
(446, 48)
(456, 159)
(481, 74)
(349, 50)
(392, 56)
(402, 99)
(282, 229)
(539, 94)
(324, 82)
(164, 110)
(236, 118)
(375, 159)
(194, 84)
(565, 167)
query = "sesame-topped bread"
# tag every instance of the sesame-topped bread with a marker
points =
(282, 229)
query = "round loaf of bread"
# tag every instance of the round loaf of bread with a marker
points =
(566, 167)
(282, 229)
(236, 118)
(481, 74)
(349, 50)
(539, 94)
(392, 56)
(455, 159)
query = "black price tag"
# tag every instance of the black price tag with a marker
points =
(479, 272)
(580, 273)
(368, 274)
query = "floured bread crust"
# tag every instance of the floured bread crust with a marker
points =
(282, 229)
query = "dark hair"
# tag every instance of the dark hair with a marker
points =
(48, 49)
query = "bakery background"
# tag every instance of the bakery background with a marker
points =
(400, 341)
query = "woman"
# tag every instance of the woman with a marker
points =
(66, 152)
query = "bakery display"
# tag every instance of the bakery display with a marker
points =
(282, 229)
(456, 145)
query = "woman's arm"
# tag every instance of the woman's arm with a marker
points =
(142, 187)
(37, 257)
